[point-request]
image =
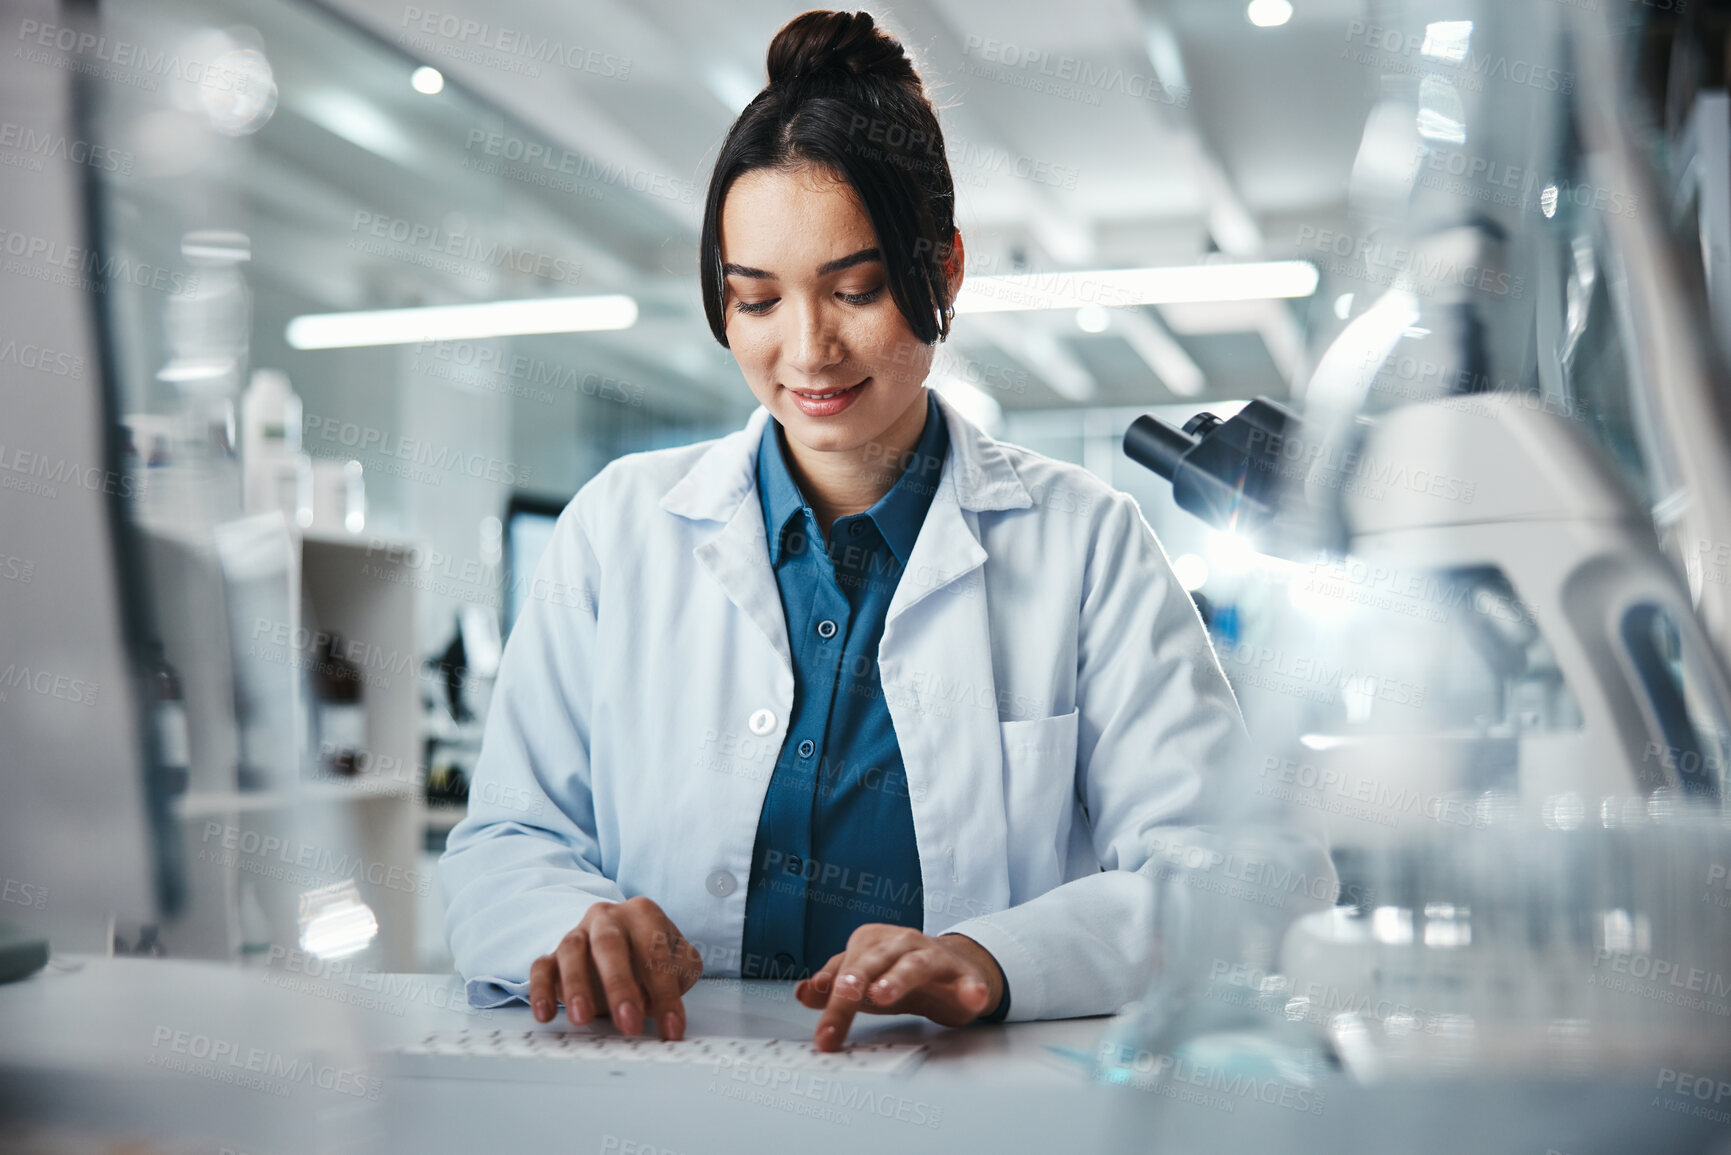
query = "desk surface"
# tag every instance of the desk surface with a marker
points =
(229, 1044)
(183, 1057)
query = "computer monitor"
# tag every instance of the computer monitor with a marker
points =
(529, 525)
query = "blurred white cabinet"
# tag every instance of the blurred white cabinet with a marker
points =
(259, 849)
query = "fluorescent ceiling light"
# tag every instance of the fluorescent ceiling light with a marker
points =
(1269, 13)
(1174, 285)
(462, 322)
(345, 115)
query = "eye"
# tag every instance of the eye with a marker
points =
(862, 298)
(754, 308)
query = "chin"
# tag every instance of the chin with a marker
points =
(827, 436)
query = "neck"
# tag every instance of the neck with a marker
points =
(846, 482)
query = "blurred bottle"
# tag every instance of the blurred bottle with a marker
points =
(278, 475)
(168, 707)
(254, 926)
(342, 715)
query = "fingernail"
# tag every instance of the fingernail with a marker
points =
(627, 1018)
(543, 1011)
(669, 1025)
(849, 983)
(582, 1009)
(883, 989)
(826, 1037)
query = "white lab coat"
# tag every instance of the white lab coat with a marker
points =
(1052, 687)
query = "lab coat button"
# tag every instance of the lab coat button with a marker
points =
(826, 629)
(762, 722)
(720, 883)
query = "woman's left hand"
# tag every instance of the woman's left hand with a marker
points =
(895, 970)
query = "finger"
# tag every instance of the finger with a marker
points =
(814, 991)
(652, 947)
(869, 955)
(543, 987)
(688, 962)
(868, 960)
(917, 970)
(576, 991)
(610, 951)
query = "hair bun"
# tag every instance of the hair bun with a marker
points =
(836, 45)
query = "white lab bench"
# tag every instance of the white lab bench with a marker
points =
(182, 1056)
(132, 1044)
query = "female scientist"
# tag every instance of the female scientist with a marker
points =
(857, 694)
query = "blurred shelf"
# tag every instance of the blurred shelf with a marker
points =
(203, 803)
(365, 542)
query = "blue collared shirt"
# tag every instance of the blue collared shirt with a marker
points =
(835, 842)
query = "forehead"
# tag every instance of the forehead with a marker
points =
(790, 221)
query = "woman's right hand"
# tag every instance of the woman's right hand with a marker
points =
(625, 959)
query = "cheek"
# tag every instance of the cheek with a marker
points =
(753, 348)
(891, 347)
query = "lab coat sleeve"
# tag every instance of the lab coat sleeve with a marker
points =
(1159, 733)
(523, 866)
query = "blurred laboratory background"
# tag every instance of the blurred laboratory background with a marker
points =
(282, 167)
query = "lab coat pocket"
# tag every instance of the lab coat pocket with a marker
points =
(1039, 800)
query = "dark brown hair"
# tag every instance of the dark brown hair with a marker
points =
(843, 95)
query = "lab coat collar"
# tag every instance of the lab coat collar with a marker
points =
(726, 475)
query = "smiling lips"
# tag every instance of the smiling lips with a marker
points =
(828, 402)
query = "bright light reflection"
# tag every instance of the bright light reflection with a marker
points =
(1269, 13)
(335, 923)
(1391, 924)
(1232, 552)
(1191, 571)
(1092, 319)
(427, 81)
(1441, 115)
(1447, 40)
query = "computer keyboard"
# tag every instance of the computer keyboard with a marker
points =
(470, 1052)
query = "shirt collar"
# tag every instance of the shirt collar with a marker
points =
(898, 514)
(776, 488)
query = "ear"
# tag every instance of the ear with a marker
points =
(953, 264)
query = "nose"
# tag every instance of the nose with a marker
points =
(814, 345)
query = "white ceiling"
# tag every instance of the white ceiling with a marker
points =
(1273, 120)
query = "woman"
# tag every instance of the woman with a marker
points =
(857, 695)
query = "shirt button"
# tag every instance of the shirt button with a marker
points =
(720, 883)
(856, 528)
(807, 748)
(826, 629)
(762, 722)
(784, 961)
(795, 864)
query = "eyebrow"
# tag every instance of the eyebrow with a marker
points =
(864, 256)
